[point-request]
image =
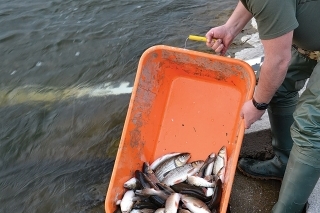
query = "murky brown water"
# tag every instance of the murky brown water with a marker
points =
(58, 135)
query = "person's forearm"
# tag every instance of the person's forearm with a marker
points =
(239, 18)
(271, 77)
(274, 68)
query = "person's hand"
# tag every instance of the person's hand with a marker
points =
(219, 39)
(250, 113)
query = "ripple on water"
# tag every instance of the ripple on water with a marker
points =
(57, 153)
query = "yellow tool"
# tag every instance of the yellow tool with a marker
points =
(200, 38)
(197, 38)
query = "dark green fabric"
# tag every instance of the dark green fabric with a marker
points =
(299, 180)
(305, 130)
(276, 18)
(303, 169)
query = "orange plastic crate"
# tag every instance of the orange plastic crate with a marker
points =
(182, 101)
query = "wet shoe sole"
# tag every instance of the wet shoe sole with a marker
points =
(258, 177)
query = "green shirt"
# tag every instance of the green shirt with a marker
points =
(278, 17)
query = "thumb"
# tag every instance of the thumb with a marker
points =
(210, 36)
(244, 120)
(241, 114)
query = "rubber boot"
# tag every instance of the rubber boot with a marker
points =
(281, 120)
(300, 178)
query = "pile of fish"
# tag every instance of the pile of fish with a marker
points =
(171, 184)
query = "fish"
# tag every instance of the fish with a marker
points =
(199, 181)
(140, 177)
(181, 173)
(146, 169)
(216, 197)
(198, 185)
(221, 160)
(209, 192)
(132, 183)
(145, 180)
(172, 203)
(209, 169)
(160, 202)
(118, 202)
(194, 204)
(195, 194)
(209, 161)
(163, 158)
(184, 186)
(171, 163)
(144, 204)
(127, 201)
(224, 154)
(218, 164)
(152, 191)
(195, 191)
(221, 174)
(165, 188)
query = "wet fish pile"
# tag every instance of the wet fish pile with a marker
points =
(172, 184)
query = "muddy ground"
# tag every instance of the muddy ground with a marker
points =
(250, 195)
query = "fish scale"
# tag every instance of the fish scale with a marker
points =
(181, 173)
(170, 164)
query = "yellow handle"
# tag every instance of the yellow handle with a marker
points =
(197, 38)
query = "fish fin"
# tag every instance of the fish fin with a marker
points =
(118, 202)
(199, 206)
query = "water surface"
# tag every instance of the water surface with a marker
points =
(67, 68)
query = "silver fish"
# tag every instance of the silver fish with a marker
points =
(127, 201)
(172, 203)
(207, 163)
(199, 181)
(194, 204)
(171, 163)
(221, 174)
(221, 160)
(209, 192)
(218, 164)
(163, 158)
(131, 183)
(209, 169)
(181, 173)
